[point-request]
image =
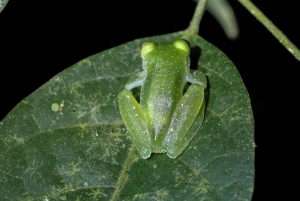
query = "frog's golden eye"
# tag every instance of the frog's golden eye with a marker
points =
(143, 45)
(147, 47)
(182, 44)
(187, 42)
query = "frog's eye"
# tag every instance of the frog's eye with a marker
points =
(182, 45)
(187, 42)
(147, 47)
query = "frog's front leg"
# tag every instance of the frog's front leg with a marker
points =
(133, 116)
(187, 117)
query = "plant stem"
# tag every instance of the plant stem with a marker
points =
(193, 28)
(271, 27)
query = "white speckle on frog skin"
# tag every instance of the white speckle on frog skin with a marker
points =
(55, 107)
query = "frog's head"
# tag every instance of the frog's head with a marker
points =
(150, 47)
(175, 53)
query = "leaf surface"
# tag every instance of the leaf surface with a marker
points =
(67, 141)
(3, 4)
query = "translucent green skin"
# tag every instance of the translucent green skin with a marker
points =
(166, 120)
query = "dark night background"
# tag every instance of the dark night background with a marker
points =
(38, 39)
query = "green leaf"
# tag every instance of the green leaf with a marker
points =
(3, 4)
(67, 141)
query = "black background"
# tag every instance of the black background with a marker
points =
(38, 39)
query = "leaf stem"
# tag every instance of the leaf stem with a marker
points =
(193, 28)
(271, 27)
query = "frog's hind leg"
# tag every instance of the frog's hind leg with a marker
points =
(186, 120)
(135, 121)
(195, 127)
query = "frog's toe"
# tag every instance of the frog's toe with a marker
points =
(144, 151)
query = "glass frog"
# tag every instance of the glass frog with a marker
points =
(165, 119)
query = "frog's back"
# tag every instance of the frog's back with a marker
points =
(163, 81)
(166, 70)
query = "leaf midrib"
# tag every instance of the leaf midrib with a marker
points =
(124, 174)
